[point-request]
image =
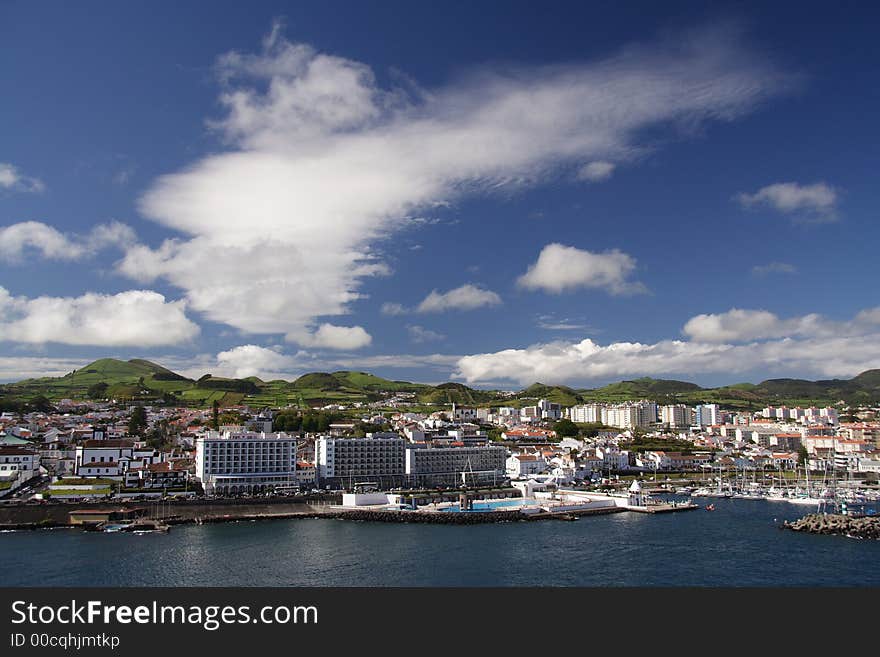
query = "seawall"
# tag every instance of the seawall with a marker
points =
(815, 523)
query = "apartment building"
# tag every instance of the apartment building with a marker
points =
(454, 464)
(343, 462)
(245, 462)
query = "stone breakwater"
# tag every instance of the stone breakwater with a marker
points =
(815, 523)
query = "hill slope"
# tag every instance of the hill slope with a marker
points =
(143, 380)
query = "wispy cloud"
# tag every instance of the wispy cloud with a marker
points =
(328, 162)
(774, 268)
(12, 179)
(596, 171)
(815, 203)
(420, 334)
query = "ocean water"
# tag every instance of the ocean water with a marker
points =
(739, 544)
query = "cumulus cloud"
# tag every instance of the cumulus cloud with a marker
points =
(252, 360)
(419, 334)
(466, 297)
(561, 268)
(330, 336)
(323, 161)
(596, 171)
(735, 342)
(585, 361)
(140, 318)
(738, 325)
(774, 268)
(12, 179)
(34, 237)
(816, 202)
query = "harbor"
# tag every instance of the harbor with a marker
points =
(740, 544)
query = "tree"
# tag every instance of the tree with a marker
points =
(98, 390)
(565, 428)
(803, 455)
(138, 421)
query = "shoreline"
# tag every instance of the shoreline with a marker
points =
(352, 515)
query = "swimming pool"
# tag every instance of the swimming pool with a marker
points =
(482, 506)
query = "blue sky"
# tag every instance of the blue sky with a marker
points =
(573, 193)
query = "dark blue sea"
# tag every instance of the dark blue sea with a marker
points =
(739, 544)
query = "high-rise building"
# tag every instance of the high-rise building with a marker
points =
(676, 415)
(245, 461)
(379, 459)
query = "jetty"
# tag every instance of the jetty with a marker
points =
(837, 524)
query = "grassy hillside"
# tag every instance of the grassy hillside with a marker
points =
(142, 380)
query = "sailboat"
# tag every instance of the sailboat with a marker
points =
(806, 496)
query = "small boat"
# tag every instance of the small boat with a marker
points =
(710, 507)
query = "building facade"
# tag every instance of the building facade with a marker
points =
(450, 466)
(343, 462)
(244, 462)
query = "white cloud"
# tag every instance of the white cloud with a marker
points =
(552, 323)
(466, 297)
(561, 268)
(134, 318)
(12, 179)
(21, 239)
(729, 343)
(420, 334)
(737, 325)
(324, 162)
(774, 268)
(393, 309)
(586, 361)
(17, 368)
(329, 336)
(817, 202)
(252, 360)
(596, 171)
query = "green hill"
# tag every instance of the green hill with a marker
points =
(454, 393)
(143, 380)
(644, 388)
(556, 394)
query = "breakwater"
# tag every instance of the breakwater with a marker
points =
(816, 523)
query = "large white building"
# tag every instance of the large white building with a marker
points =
(630, 414)
(17, 465)
(432, 466)
(111, 459)
(676, 415)
(245, 461)
(586, 413)
(379, 459)
(707, 415)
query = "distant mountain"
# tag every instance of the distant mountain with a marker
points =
(143, 380)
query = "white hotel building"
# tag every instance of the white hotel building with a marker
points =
(380, 459)
(234, 462)
(433, 466)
